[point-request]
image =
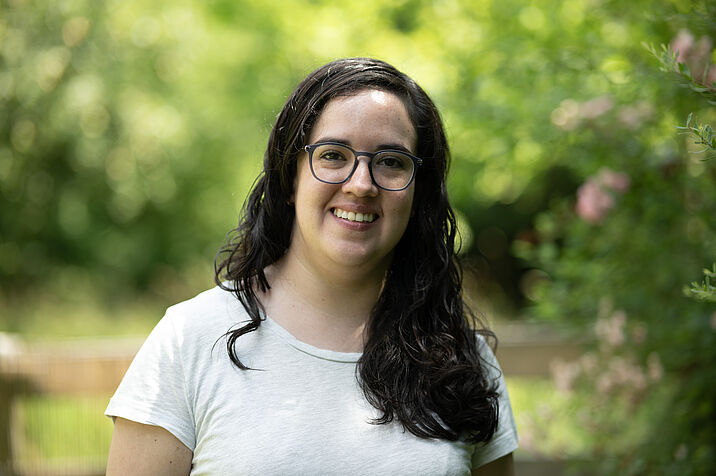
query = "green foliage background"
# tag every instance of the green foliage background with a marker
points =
(131, 131)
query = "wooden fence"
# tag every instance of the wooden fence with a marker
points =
(82, 367)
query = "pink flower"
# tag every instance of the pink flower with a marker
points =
(622, 372)
(611, 329)
(682, 44)
(617, 181)
(593, 202)
(694, 55)
(593, 199)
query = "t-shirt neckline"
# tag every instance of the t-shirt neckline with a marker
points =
(324, 354)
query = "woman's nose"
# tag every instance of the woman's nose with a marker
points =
(361, 183)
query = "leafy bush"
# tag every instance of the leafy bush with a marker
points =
(618, 256)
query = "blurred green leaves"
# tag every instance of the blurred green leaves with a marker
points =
(125, 116)
(702, 133)
(131, 131)
(705, 290)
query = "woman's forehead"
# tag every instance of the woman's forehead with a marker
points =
(371, 115)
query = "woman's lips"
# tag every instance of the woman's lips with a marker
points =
(354, 216)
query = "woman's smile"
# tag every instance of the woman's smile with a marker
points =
(354, 216)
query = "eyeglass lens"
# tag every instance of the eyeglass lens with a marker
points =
(334, 163)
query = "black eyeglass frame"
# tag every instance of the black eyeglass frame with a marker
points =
(417, 162)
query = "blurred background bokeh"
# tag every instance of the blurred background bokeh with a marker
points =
(131, 131)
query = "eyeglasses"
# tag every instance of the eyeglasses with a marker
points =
(333, 162)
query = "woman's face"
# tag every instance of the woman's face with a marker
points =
(368, 121)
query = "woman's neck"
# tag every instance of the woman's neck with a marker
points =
(329, 311)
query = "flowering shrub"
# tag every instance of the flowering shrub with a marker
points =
(618, 254)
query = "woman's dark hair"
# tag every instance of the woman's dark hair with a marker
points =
(421, 362)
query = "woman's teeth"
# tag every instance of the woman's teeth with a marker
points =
(352, 216)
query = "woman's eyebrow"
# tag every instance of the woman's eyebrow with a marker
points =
(386, 146)
(394, 146)
(333, 139)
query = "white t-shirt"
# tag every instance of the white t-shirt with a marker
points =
(302, 413)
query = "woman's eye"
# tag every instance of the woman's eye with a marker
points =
(332, 156)
(391, 162)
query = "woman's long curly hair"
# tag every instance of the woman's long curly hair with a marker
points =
(421, 364)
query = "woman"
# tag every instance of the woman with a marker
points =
(337, 341)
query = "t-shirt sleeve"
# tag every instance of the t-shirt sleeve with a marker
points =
(153, 391)
(505, 440)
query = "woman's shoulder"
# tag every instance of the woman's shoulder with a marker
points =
(486, 344)
(486, 347)
(210, 301)
(214, 309)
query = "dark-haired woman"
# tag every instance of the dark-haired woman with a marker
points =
(337, 340)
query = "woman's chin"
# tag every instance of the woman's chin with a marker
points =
(358, 257)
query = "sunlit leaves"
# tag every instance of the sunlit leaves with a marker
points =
(706, 290)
